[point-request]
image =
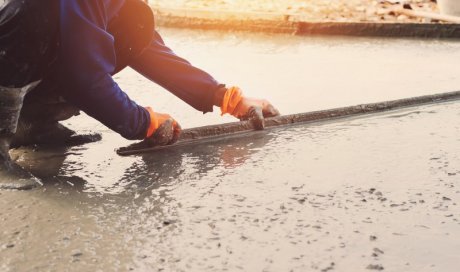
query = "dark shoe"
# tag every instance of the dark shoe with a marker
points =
(12, 176)
(51, 134)
(39, 122)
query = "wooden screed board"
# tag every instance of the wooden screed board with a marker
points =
(214, 132)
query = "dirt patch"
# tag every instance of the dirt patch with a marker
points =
(357, 18)
(310, 10)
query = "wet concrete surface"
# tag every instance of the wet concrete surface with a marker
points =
(371, 193)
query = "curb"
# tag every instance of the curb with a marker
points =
(296, 25)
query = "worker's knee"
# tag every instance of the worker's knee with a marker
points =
(133, 31)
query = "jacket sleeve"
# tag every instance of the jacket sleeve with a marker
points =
(161, 65)
(87, 59)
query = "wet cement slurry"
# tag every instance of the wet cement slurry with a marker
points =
(363, 194)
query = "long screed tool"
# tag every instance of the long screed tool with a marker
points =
(196, 135)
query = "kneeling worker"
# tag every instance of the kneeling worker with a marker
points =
(58, 57)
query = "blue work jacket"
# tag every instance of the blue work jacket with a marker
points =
(87, 59)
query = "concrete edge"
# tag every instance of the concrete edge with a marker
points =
(296, 25)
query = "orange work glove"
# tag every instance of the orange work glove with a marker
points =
(163, 129)
(245, 108)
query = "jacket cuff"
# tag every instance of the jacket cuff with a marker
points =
(208, 106)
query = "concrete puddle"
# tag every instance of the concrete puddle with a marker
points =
(373, 192)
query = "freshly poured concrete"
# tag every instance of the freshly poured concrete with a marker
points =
(375, 192)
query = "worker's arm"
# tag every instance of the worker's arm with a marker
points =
(162, 66)
(194, 86)
(87, 58)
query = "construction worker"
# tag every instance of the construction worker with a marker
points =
(58, 57)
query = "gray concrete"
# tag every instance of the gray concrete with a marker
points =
(366, 193)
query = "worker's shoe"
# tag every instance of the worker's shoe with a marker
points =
(12, 176)
(39, 122)
(51, 134)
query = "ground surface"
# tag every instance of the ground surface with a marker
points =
(310, 10)
(357, 195)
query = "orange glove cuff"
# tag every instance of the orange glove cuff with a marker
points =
(232, 98)
(154, 124)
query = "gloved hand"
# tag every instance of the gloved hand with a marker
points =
(245, 108)
(163, 129)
